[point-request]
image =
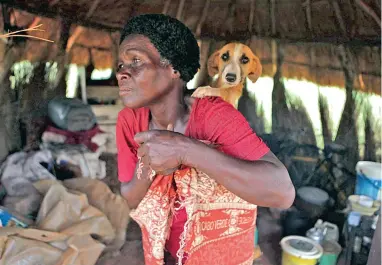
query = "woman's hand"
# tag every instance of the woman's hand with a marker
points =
(162, 150)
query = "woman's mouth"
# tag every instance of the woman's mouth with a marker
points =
(124, 92)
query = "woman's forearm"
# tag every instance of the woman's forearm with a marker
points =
(136, 189)
(263, 182)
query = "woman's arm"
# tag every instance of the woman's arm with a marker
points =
(264, 182)
(134, 190)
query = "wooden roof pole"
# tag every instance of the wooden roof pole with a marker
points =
(339, 17)
(230, 16)
(166, 7)
(369, 11)
(347, 123)
(180, 9)
(93, 7)
(251, 16)
(308, 13)
(273, 18)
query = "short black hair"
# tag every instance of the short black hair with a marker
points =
(174, 41)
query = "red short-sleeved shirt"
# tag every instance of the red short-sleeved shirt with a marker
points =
(211, 119)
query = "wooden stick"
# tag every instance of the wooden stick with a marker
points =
(369, 11)
(203, 18)
(15, 33)
(273, 19)
(27, 36)
(339, 17)
(308, 13)
(180, 9)
(251, 15)
(92, 8)
(230, 16)
(166, 7)
(35, 22)
(77, 32)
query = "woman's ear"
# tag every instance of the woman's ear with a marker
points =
(213, 64)
(175, 73)
(255, 69)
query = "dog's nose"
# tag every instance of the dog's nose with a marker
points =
(230, 77)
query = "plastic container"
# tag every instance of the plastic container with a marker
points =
(331, 252)
(355, 206)
(369, 179)
(298, 250)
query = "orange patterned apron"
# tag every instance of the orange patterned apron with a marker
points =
(220, 226)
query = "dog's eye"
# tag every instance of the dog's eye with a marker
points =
(225, 56)
(244, 60)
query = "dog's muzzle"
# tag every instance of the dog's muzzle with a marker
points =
(230, 77)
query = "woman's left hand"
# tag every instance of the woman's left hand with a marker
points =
(163, 150)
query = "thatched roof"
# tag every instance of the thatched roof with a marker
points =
(310, 30)
(295, 20)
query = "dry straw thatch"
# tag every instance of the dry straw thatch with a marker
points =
(309, 32)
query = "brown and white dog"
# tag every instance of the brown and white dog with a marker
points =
(234, 62)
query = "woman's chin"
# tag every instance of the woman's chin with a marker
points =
(131, 103)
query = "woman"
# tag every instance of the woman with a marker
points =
(192, 168)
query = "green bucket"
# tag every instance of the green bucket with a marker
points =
(331, 252)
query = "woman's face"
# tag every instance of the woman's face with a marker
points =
(142, 79)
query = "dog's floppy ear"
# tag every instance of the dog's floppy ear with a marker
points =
(255, 69)
(213, 64)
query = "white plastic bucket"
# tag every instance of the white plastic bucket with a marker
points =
(369, 179)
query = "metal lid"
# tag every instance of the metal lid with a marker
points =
(313, 195)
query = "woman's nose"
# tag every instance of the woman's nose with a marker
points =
(123, 73)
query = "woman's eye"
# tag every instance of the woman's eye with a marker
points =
(136, 60)
(244, 60)
(120, 66)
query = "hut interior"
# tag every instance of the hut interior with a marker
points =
(320, 86)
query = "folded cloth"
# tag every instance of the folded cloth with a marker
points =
(92, 138)
(220, 226)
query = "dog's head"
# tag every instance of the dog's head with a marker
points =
(234, 62)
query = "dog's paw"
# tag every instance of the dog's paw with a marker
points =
(201, 92)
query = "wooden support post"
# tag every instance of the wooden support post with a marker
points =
(60, 84)
(274, 55)
(114, 49)
(347, 131)
(279, 107)
(82, 77)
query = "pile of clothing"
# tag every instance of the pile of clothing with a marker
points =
(54, 208)
(71, 144)
(74, 137)
(79, 221)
